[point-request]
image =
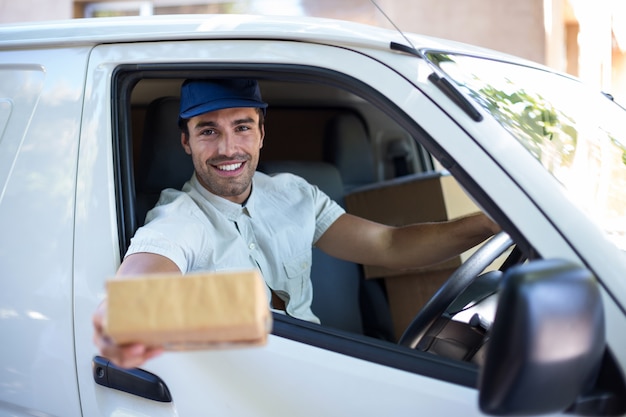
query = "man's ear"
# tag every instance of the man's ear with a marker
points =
(262, 136)
(184, 140)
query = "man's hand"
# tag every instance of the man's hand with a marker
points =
(126, 356)
(490, 224)
(135, 354)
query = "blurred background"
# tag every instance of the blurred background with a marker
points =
(585, 38)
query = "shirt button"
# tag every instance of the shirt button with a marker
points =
(252, 246)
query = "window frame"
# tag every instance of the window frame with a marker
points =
(125, 77)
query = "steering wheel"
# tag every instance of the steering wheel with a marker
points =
(460, 279)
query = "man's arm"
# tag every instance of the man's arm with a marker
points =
(362, 241)
(146, 263)
(132, 355)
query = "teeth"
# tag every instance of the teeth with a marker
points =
(229, 167)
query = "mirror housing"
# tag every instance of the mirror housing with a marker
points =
(547, 340)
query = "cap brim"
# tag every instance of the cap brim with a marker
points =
(219, 105)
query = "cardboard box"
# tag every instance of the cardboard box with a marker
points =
(195, 311)
(409, 293)
(406, 200)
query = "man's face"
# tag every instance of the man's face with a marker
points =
(225, 146)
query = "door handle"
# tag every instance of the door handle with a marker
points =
(134, 381)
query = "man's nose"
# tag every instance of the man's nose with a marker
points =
(227, 144)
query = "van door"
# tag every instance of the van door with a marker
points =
(307, 370)
(41, 93)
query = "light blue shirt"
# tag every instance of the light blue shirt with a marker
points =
(273, 232)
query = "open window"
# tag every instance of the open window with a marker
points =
(363, 151)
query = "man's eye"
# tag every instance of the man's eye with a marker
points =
(207, 132)
(243, 128)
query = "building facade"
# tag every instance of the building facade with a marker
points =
(585, 39)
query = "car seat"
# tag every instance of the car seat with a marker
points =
(335, 282)
(347, 146)
(163, 163)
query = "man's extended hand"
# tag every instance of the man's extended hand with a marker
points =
(126, 356)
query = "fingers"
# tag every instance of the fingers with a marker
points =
(131, 355)
(125, 356)
(489, 224)
(495, 227)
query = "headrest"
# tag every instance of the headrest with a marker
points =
(163, 161)
(347, 146)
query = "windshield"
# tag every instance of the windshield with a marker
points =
(578, 135)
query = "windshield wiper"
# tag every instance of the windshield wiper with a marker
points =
(456, 96)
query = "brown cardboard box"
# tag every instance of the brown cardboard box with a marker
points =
(189, 311)
(408, 293)
(406, 200)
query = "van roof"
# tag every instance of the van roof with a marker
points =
(107, 30)
(181, 27)
(95, 31)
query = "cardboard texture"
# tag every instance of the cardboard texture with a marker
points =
(195, 311)
(406, 200)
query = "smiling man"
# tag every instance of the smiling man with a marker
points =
(228, 216)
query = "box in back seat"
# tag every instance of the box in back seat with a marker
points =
(411, 199)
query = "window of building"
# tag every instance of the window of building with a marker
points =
(147, 8)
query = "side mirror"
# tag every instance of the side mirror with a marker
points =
(547, 341)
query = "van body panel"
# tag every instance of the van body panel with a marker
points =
(43, 90)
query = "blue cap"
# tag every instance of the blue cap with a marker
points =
(203, 96)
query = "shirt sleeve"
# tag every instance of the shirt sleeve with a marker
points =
(171, 231)
(327, 212)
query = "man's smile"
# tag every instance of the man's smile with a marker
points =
(229, 167)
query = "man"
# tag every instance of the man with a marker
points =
(228, 216)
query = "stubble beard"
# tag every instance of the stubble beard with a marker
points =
(227, 186)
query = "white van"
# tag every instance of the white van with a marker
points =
(398, 130)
